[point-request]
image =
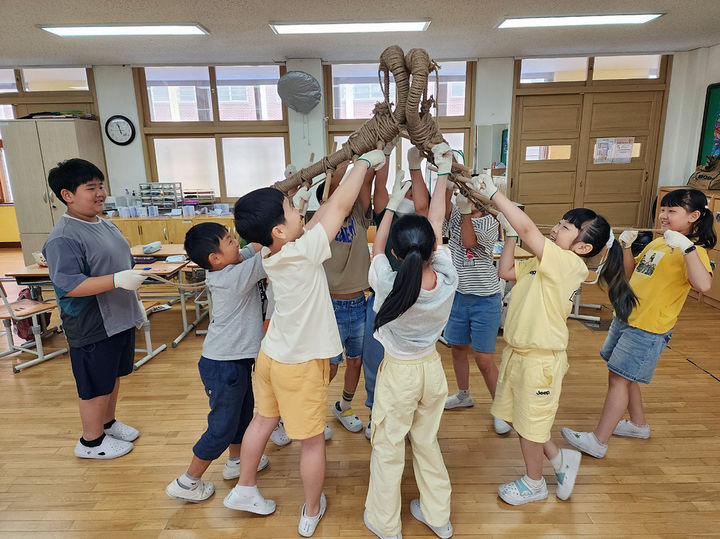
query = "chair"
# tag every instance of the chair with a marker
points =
(149, 307)
(592, 278)
(22, 310)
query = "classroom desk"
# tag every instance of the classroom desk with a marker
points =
(520, 253)
(168, 249)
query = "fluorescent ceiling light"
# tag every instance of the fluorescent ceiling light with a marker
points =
(127, 30)
(580, 20)
(349, 27)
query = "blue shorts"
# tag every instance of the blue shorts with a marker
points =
(350, 316)
(96, 366)
(228, 385)
(633, 353)
(474, 320)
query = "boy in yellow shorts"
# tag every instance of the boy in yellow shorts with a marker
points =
(292, 369)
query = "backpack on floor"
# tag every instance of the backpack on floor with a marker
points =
(23, 328)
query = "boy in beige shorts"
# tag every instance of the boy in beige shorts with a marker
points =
(292, 369)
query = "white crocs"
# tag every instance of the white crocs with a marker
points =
(123, 432)
(444, 532)
(348, 418)
(242, 498)
(519, 493)
(307, 524)
(202, 492)
(278, 436)
(110, 448)
(231, 470)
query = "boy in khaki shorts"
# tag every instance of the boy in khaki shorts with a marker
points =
(292, 369)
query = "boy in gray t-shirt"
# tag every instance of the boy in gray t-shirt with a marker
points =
(91, 269)
(228, 353)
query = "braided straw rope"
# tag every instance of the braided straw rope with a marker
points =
(411, 116)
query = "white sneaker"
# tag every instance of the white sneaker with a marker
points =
(279, 437)
(444, 532)
(110, 448)
(456, 401)
(585, 442)
(380, 535)
(631, 430)
(568, 473)
(328, 433)
(518, 492)
(123, 432)
(249, 499)
(200, 493)
(348, 418)
(501, 426)
(231, 470)
(307, 524)
(368, 430)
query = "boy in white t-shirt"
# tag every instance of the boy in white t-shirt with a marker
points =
(292, 369)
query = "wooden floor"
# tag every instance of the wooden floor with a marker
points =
(667, 486)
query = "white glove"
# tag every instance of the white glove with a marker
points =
(302, 197)
(485, 185)
(398, 191)
(414, 158)
(374, 158)
(507, 227)
(464, 206)
(627, 238)
(290, 170)
(443, 158)
(675, 240)
(390, 146)
(129, 279)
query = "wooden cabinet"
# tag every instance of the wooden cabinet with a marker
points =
(712, 296)
(32, 148)
(140, 231)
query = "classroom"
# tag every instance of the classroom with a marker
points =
(281, 269)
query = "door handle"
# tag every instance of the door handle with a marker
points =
(52, 196)
(44, 197)
(165, 234)
(647, 174)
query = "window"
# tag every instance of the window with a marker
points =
(7, 81)
(248, 93)
(355, 90)
(55, 79)
(451, 91)
(545, 153)
(185, 94)
(252, 162)
(534, 70)
(627, 67)
(231, 142)
(192, 161)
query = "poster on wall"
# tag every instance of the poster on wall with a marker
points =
(710, 134)
(613, 150)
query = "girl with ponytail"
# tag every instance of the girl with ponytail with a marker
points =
(412, 305)
(535, 360)
(660, 277)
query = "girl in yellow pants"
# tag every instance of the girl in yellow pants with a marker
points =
(412, 307)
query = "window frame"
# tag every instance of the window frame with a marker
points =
(450, 124)
(216, 129)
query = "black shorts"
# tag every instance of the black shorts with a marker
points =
(96, 366)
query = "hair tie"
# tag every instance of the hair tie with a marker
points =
(610, 240)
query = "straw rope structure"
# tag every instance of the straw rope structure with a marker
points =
(411, 118)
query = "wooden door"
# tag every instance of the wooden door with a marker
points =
(27, 177)
(57, 143)
(545, 160)
(622, 192)
(130, 230)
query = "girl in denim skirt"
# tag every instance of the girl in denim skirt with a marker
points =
(661, 277)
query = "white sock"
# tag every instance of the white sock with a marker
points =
(463, 393)
(234, 460)
(248, 492)
(534, 484)
(188, 482)
(557, 461)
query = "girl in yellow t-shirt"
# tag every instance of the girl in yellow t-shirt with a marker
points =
(661, 277)
(535, 360)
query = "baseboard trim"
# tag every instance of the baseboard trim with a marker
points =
(9, 244)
